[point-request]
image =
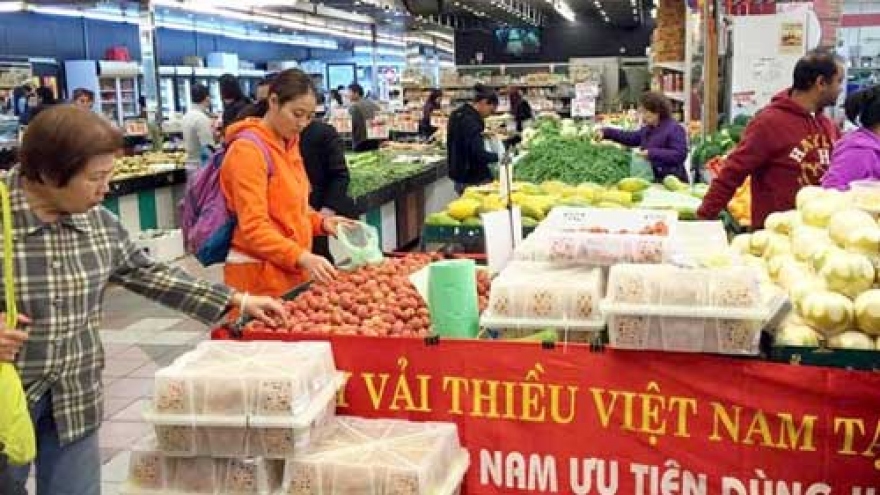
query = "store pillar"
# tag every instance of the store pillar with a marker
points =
(149, 48)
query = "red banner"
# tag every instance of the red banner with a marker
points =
(570, 421)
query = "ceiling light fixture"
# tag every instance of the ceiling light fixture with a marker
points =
(563, 9)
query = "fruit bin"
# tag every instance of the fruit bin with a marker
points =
(380, 457)
(151, 472)
(543, 295)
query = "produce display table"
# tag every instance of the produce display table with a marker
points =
(149, 201)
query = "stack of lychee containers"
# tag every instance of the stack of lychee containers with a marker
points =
(259, 418)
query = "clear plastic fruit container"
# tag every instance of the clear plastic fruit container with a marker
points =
(272, 437)
(235, 379)
(153, 473)
(543, 295)
(684, 334)
(380, 457)
(667, 290)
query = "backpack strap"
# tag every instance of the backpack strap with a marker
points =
(257, 140)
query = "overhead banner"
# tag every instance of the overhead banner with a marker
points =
(571, 421)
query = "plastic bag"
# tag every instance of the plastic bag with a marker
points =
(361, 241)
(16, 429)
(640, 167)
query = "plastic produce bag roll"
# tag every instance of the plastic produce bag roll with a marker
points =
(452, 298)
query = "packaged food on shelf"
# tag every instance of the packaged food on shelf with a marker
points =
(540, 295)
(151, 472)
(380, 457)
(238, 380)
(257, 435)
(602, 237)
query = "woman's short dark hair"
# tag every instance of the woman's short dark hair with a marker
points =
(60, 141)
(199, 93)
(816, 63)
(356, 89)
(230, 89)
(656, 103)
(863, 107)
(80, 92)
(485, 93)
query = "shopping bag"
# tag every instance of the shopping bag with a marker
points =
(361, 242)
(640, 167)
(17, 440)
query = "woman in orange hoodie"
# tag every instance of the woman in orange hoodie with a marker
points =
(271, 244)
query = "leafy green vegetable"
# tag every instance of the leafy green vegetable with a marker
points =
(370, 172)
(573, 161)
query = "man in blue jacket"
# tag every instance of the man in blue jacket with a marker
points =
(465, 149)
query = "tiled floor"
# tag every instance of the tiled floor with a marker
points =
(139, 337)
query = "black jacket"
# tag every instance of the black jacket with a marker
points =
(323, 154)
(231, 110)
(465, 150)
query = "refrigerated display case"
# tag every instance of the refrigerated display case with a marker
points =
(167, 91)
(119, 90)
(249, 80)
(183, 83)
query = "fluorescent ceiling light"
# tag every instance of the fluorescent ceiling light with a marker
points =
(11, 6)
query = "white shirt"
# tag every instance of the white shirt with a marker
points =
(198, 132)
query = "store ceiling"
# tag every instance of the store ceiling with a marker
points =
(494, 13)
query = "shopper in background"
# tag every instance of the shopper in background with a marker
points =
(662, 140)
(857, 155)
(263, 88)
(74, 249)
(323, 154)
(267, 188)
(787, 145)
(362, 111)
(233, 98)
(519, 107)
(465, 148)
(197, 126)
(84, 98)
(45, 98)
(432, 104)
(335, 102)
(23, 97)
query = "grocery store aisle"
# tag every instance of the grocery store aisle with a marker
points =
(139, 337)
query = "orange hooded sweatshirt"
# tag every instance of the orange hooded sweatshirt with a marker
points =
(275, 223)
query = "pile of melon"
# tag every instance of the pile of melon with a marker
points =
(826, 256)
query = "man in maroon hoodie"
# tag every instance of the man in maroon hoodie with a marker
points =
(786, 146)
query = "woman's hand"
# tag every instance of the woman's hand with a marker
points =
(11, 340)
(318, 267)
(266, 309)
(331, 224)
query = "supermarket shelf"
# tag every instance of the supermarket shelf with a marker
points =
(675, 66)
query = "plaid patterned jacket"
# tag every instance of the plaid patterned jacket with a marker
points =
(61, 272)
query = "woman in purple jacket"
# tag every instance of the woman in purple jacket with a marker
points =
(857, 155)
(662, 140)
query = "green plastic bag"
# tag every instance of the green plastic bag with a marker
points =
(16, 428)
(361, 241)
(640, 167)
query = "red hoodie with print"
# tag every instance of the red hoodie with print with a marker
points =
(784, 148)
